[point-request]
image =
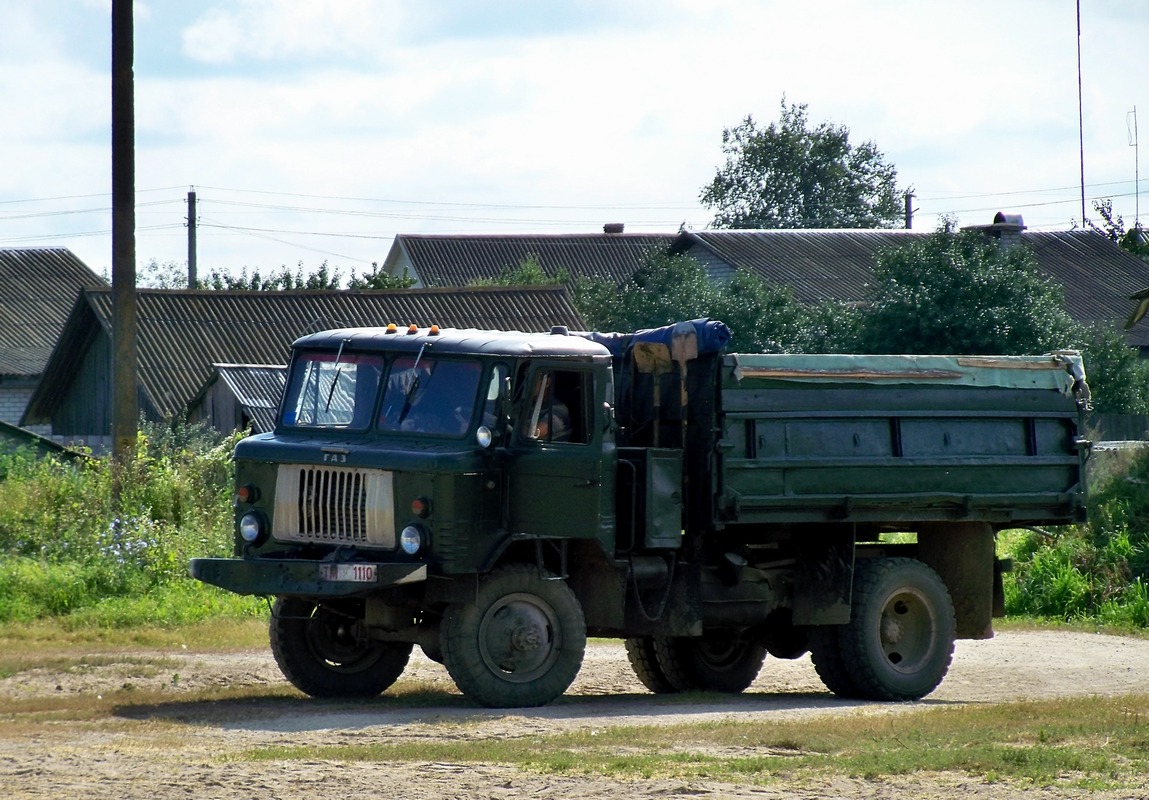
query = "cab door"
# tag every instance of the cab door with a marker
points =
(560, 483)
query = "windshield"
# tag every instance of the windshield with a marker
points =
(429, 395)
(332, 390)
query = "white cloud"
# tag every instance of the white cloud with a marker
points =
(289, 29)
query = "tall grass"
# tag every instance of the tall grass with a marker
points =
(1098, 571)
(66, 551)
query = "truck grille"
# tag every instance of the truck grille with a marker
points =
(334, 505)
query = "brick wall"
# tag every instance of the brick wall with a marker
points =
(14, 397)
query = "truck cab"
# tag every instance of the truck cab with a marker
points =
(406, 464)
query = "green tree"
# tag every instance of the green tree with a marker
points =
(672, 287)
(377, 279)
(1118, 377)
(960, 292)
(322, 278)
(528, 272)
(1112, 226)
(166, 275)
(789, 175)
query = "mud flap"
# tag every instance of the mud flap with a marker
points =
(825, 580)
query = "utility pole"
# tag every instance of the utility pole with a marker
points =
(909, 209)
(1080, 115)
(125, 404)
(191, 240)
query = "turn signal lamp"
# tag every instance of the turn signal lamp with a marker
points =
(246, 494)
(421, 507)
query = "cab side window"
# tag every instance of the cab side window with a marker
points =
(556, 409)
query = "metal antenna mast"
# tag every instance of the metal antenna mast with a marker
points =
(1132, 129)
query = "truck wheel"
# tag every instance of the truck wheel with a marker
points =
(717, 661)
(519, 643)
(826, 653)
(900, 640)
(644, 660)
(324, 652)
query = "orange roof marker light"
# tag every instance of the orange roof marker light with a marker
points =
(392, 327)
(412, 329)
(433, 331)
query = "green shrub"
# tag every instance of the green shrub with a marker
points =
(64, 548)
(1097, 571)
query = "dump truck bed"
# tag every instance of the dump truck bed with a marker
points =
(810, 438)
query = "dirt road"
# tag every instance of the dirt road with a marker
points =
(177, 749)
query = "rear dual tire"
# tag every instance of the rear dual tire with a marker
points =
(717, 661)
(899, 642)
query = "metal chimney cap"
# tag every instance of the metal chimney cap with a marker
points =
(1001, 218)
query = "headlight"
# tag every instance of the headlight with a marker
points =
(411, 539)
(251, 527)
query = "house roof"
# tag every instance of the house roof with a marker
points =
(1098, 276)
(257, 388)
(442, 260)
(38, 287)
(182, 333)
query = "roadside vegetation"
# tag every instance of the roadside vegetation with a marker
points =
(1095, 573)
(67, 554)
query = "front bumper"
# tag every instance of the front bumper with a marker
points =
(300, 577)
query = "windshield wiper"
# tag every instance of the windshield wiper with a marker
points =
(335, 377)
(409, 397)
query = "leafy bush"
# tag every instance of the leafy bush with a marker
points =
(64, 547)
(1099, 570)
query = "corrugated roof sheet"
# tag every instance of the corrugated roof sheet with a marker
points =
(182, 333)
(1098, 276)
(462, 260)
(258, 388)
(38, 287)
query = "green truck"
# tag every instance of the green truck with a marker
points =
(496, 497)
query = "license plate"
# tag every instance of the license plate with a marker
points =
(350, 573)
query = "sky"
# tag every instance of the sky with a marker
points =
(315, 131)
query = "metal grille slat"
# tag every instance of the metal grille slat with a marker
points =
(334, 505)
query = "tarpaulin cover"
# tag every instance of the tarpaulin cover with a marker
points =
(712, 336)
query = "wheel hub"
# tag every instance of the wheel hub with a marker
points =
(517, 639)
(892, 630)
(526, 637)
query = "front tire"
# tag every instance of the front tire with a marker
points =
(900, 640)
(324, 650)
(519, 643)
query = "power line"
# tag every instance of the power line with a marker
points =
(263, 235)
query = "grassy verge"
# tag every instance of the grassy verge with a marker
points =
(1083, 743)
